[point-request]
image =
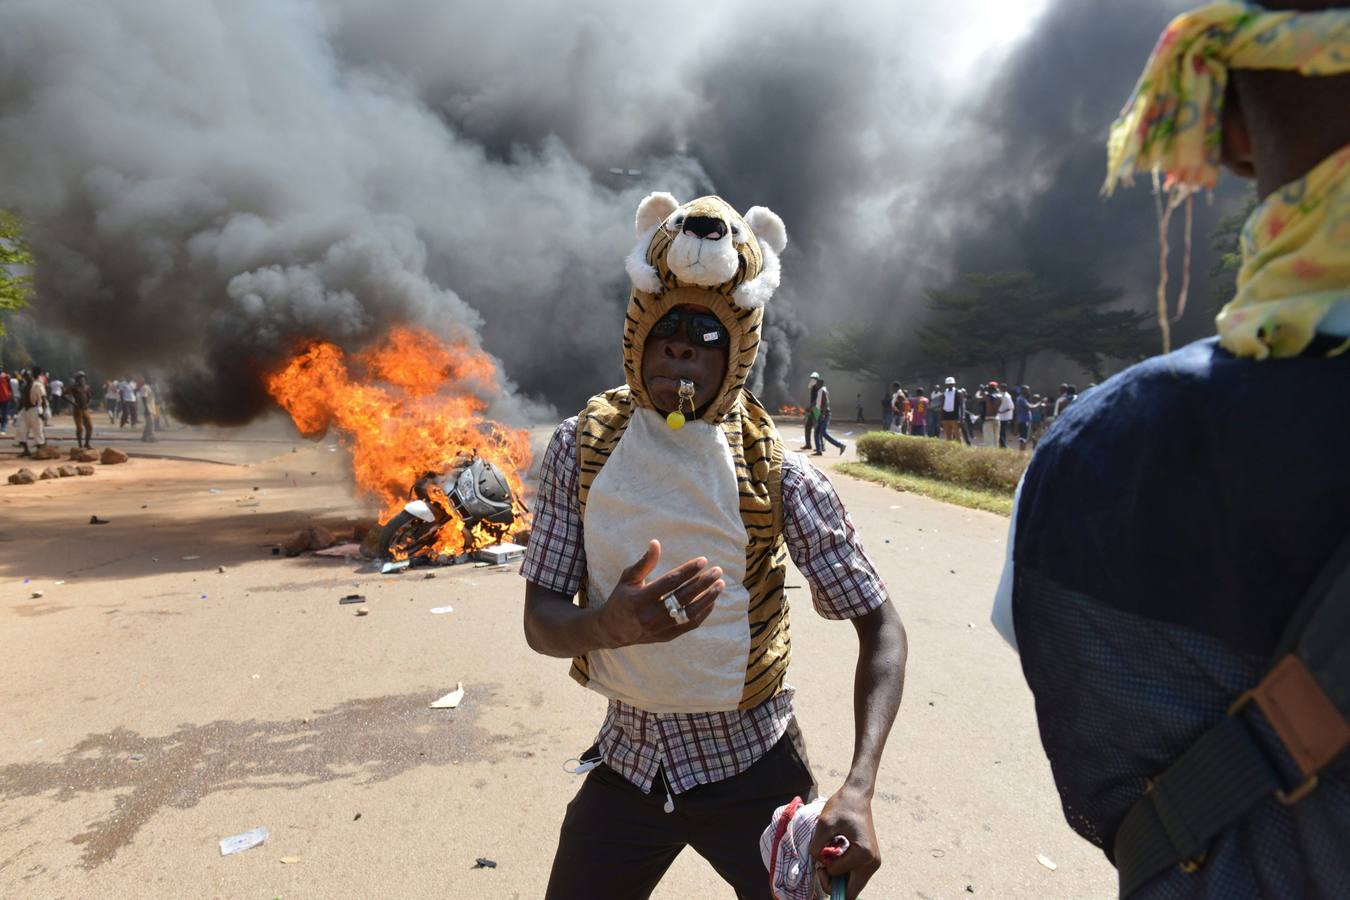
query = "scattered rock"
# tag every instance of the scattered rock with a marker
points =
(289, 860)
(95, 520)
(23, 476)
(483, 862)
(111, 456)
(47, 452)
(49, 474)
(220, 569)
(362, 611)
(355, 817)
(84, 469)
(66, 471)
(37, 595)
(313, 537)
(82, 454)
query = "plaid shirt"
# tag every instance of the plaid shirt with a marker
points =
(700, 748)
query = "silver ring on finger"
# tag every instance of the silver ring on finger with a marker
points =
(676, 610)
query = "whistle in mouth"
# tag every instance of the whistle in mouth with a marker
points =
(676, 419)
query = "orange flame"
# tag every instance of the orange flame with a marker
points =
(408, 406)
(791, 411)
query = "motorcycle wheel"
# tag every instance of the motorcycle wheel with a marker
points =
(402, 531)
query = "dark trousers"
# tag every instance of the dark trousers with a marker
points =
(823, 434)
(810, 425)
(1003, 432)
(618, 842)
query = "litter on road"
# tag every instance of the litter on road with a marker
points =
(441, 610)
(289, 860)
(450, 700)
(362, 611)
(498, 554)
(398, 566)
(353, 598)
(95, 520)
(483, 862)
(1046, 861)
(191, 557)
(239, 842)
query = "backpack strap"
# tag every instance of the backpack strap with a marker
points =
(1305, 697)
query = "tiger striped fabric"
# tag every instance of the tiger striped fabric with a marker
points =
(757, 450)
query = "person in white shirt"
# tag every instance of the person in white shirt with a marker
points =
(126, 391)
(56, 391)
(1005, 414)
(953, 408)
(33, 417)
(149, 409)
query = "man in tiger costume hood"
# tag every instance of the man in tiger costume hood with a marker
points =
(668, 509)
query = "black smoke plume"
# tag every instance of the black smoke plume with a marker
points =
(208, 182)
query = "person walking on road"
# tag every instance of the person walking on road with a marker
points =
(6, 399)
(126, 400)
(809, 416)
(32, 431)
(81, 398)
(146, 396)
(823, 417)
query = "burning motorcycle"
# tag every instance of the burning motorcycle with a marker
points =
(473, 491)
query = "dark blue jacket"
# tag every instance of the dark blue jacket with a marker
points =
(1168, 525)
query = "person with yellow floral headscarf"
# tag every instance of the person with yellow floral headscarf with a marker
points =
(1167, 551)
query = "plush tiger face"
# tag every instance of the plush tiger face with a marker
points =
(702, 253)
(705, 243)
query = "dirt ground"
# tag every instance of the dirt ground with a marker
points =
(155, 703)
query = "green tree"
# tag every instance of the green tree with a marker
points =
(1004, 318)
(857, 349)
(16, 267)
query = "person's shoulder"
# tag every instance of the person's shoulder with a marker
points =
(1145, 387)
(565, 435)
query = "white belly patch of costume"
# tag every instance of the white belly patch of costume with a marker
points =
(679, 487)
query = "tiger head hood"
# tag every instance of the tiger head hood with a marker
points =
(707, 254)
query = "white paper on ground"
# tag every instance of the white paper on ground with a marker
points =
(450, 700)
(441, 610)
(239, 842)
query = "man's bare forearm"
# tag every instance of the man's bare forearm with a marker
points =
(555, 626)
(878, 684)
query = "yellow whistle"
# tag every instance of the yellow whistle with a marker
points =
(675, 420)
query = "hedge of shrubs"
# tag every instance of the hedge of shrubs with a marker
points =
(982, 468)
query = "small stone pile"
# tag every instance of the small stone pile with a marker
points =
(79, 464)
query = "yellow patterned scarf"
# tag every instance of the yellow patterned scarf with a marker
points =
(1172, 124)
(1295, 264)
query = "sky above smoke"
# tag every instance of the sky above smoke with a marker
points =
(208, 182)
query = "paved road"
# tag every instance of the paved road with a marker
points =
(154, 704)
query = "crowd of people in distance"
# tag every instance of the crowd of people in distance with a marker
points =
(990, 417)
(31, 398)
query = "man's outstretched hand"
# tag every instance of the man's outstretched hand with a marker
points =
(636, 613)
(848, 812)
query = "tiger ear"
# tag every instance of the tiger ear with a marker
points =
(654, 209)
(767, 226)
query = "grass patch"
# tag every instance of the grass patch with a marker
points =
(980, 468)
(971, 498)
(974, 477)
